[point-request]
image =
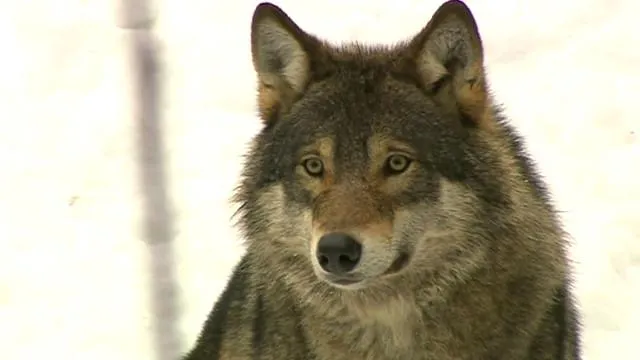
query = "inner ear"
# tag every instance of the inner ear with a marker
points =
(281, 59)
(448, 56)
(278, 47)
(436, 86)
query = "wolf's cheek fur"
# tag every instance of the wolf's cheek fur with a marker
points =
(438, 232)
(287, 227)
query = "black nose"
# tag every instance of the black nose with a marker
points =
(338, 253)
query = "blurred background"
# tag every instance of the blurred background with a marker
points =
(122, 125)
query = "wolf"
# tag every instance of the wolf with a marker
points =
(389, 210)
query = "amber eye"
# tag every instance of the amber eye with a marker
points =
(314, 167)
(397, 164)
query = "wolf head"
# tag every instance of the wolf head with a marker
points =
(374, 160)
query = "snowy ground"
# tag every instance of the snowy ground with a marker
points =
(75, 270)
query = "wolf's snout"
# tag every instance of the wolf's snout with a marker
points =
(338, 253)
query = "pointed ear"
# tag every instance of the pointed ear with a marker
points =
(449, 58)
(280, 58)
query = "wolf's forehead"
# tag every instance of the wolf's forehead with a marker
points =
(354, 113)
(356, 126)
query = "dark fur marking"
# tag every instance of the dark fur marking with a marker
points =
(559, 314)
(258, 328)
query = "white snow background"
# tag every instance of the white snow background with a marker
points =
(74, 264)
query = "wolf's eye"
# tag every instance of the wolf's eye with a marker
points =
(313, 166)
(397, 164)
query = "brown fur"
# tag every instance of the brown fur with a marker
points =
(462, 254)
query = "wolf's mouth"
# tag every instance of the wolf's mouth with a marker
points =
(398, 264)
(343, 281)
(401, 261)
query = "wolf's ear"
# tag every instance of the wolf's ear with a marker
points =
(281, 60)
(448, 55)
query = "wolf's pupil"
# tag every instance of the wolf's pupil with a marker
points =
(398, 163)
(314, 167)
